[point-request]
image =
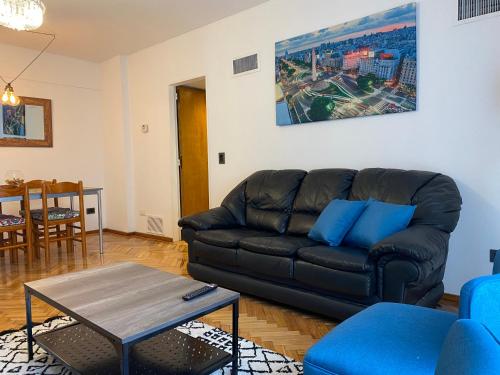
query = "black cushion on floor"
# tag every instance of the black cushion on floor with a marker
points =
(285, 245)
(229, 237)
(340, 258)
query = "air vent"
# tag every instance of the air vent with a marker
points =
(248, 64)
(155, 225)
(470, 9)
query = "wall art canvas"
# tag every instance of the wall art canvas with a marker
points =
(14, 121)
(359, 68)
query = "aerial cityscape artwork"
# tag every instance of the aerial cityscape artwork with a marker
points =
(359, 68)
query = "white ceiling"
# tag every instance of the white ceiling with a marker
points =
(100, 29)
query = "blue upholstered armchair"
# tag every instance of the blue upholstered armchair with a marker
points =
(398, 339)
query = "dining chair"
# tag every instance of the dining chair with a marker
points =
(15, 226)
(53, 230)
(45, 219)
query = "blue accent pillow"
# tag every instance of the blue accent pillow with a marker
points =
(378, 221)
(335, 221)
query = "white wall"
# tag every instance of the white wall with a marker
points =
(455, 131)
(74, 88)
(118, 164)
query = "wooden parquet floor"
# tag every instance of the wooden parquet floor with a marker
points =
(285, 330)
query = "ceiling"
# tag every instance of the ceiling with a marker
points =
(97, 30)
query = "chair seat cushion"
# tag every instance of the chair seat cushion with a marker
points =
(286, 246)
(339, 257)
(384, 339)
(228, 237)
(10, 220)
(55, 213)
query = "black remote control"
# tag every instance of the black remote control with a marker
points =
(199, 292)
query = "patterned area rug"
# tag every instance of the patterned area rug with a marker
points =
(253, 358)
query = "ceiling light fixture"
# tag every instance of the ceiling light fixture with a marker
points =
(8, 97)
(21, 14)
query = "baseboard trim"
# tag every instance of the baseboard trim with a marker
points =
(152, 237)
(133, 234)
(451, 298)
(118, 232)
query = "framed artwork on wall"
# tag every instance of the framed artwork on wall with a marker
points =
(28, 124)
(360, 68)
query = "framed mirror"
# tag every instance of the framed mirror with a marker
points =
(27, 125)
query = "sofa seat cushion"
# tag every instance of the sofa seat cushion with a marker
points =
(213, 255)
(343, 258)
(228, 237)
(265, 266)
(285, 246)
(332, 281)
(384, 339)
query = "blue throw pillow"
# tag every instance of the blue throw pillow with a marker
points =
(336, 220)
(378, 221)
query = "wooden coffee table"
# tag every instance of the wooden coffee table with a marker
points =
(125, 315)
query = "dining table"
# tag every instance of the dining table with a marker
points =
(36, 194)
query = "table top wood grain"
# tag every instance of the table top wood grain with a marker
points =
(128, 301)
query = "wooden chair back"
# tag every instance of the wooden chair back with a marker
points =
(7, 191)
(61, 188)
(37, 184)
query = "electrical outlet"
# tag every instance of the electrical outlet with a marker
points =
(222, 158)
(493, 253)
(90, 211)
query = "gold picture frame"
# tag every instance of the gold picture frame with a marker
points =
(15, 123)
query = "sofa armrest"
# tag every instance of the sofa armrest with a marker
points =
(216, 218)
(419, 243)
(410, 264)
(479, 301)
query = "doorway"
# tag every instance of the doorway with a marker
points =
(192, 147)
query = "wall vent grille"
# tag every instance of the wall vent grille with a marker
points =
(246, 64)
(468, 9)
(155, 225)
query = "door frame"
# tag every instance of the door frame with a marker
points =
(174, 146)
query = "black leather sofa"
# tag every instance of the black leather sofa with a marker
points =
(256, 241)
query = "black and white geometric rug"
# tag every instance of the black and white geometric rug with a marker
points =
(254, 359)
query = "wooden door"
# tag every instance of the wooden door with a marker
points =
(193, 154)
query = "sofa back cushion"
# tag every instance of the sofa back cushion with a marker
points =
(436, 196)
(318, 189)
(269, 197)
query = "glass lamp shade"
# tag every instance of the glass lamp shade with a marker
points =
(14, 177)
(9, 98)
(21, 14)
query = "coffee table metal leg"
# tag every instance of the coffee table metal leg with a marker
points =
(235, 350)
(124, 359)
(29, 323)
